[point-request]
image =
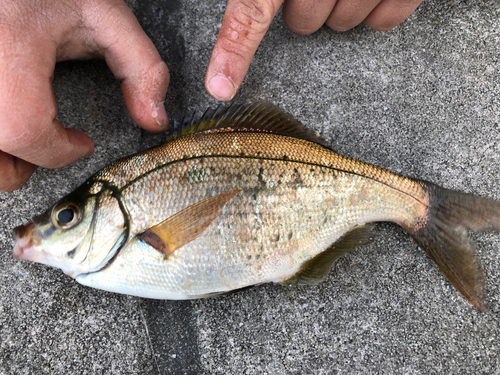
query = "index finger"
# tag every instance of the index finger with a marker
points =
(244, 25)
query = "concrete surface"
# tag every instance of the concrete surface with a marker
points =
(422, 100)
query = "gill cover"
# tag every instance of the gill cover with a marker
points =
(80, 234)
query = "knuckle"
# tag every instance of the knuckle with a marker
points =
(241, 52)
(244, 27)
(154, 74)
(162, 70)
(254, 14)
(151, 82)
(22, 135)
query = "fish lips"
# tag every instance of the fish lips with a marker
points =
(27, 247)
(27, 237)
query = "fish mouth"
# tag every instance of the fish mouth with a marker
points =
(27, 237)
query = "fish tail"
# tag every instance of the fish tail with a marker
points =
(443, 233)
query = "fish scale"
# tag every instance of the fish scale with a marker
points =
(244, 196)
(251, 145)
(272, 201)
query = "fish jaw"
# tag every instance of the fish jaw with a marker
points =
(28, 240)
(28, 237)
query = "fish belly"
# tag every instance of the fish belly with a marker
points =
(286, 213)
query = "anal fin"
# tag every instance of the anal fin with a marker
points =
(316, 269)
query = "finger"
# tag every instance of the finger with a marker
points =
(132, 58)
(45, 143)
(244, 25)
(28, 129)
(14, 171)
(306, 16)
(349, 13)
(390, 13)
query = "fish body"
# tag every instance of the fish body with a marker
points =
(245, 196)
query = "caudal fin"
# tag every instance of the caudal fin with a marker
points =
(444, 236)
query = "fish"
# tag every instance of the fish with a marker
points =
(243, 196)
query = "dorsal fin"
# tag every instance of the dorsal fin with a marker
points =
(260, 116)
(315, 270)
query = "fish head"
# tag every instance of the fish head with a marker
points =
(79, 234)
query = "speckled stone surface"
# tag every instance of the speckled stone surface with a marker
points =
(421, 100)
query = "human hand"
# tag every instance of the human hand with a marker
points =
(246, 22)
(34, 35)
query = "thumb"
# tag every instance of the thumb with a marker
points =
(244, 25)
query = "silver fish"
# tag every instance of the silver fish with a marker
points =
(244, 196)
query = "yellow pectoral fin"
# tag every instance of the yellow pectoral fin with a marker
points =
(183, 227)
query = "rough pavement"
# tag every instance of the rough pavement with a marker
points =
(421, 100)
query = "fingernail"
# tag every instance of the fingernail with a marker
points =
(221, 88)
(160, 115)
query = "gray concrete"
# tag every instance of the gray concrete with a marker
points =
(422, 100)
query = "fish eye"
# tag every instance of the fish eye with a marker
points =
(66, 214)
